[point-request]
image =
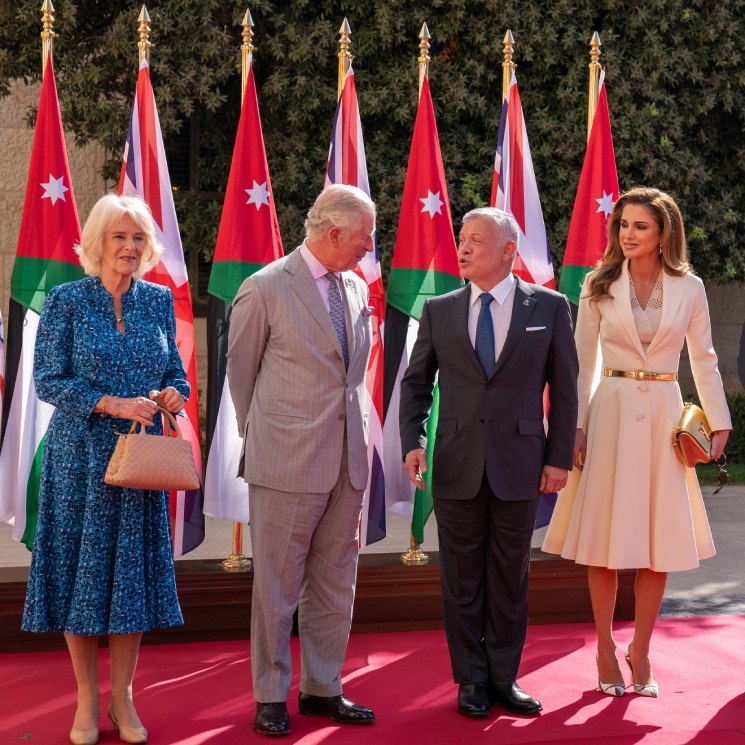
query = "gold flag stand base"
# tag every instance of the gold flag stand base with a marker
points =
(237, 562)
(414, 555)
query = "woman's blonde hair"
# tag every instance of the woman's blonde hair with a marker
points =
(105, 212)
(673, 256)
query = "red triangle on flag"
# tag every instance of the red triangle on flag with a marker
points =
(425, 237)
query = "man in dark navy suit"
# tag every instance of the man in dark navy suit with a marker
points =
(493, 346)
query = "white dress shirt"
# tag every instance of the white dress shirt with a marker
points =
(500, 307)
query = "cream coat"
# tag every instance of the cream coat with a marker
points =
(634, 505)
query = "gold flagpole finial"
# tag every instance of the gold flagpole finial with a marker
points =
(144, 44)
(247, 50)
(47, 35)
(595, 68)
(424, 57)
(345, 58)
(508, 66)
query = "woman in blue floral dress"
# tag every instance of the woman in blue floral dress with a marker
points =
(102, 559)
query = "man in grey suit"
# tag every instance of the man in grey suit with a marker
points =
(298, 349)
(494, 344)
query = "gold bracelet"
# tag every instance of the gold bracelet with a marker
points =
(103, 406)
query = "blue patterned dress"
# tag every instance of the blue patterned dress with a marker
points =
(102, 559)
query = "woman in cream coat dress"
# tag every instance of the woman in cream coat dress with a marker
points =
(629, 503)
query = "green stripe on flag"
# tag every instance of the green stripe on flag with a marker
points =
(571, 280)
(33, 278)
(423, 499)
(32, 498)
(227, 276)
(408, 289)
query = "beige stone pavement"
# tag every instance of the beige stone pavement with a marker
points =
(717, 586)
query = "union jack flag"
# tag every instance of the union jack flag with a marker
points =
(145, 174)
(514, 190)
(347, 165)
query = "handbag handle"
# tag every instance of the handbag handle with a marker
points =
(166, 431)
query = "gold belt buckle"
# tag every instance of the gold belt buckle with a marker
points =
(639, 375)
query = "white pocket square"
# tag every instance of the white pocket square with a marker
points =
(367, 310)
(535, 328)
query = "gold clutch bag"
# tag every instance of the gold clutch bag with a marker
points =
(692, 437)
(692, 442)
(153, 462)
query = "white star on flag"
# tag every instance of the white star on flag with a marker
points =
(606, 203)
(258, 195)
(54, 189)
(432, 203)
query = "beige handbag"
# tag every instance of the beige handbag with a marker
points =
(153, 462)
(692, 442)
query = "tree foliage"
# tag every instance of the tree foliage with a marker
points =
(676, 87)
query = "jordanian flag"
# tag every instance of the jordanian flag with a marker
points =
(596, 194)
(347, 165)
(145, 175)
(248, 240)
(424, 265)
(44, 258)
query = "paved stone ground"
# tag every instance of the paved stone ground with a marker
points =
(717, 587)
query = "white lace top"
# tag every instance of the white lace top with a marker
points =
(647, 319)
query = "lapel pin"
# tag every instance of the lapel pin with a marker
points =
(526, 302)
(348, 282)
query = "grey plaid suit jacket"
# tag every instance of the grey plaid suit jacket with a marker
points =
(293, 399)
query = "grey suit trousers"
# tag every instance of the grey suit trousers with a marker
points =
(305, 557)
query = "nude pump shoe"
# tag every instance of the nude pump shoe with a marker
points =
(84, 736)
(134, 735)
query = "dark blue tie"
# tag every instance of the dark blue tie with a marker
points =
(485, 336)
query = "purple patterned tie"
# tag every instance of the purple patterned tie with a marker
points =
(336, 311)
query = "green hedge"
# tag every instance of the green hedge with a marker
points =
(675, 75)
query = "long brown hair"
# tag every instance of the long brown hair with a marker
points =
(674, 256)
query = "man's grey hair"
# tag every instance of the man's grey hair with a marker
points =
(507, 227)
(338, 206)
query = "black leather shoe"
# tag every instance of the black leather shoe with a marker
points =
(337, 708)
(512, 698)
(272, 719)
(473, 700)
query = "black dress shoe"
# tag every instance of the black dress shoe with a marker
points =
(473, 700)
(272, 719)
(512, 698)
(337, 708)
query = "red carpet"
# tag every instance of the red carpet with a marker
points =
(200, 694)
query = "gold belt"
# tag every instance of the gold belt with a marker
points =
(639, 374)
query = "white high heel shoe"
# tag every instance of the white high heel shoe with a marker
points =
(610, 689)
(650, 690)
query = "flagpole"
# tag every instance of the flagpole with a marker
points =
(143, 45)
(508, 66)
(595, 68)
(415, 555)
(345, 58)
(47, 35)
(237, 562)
